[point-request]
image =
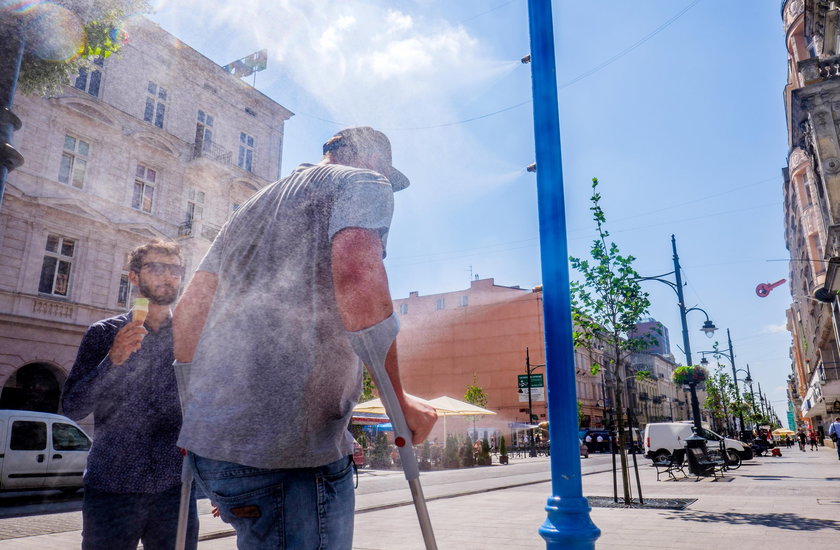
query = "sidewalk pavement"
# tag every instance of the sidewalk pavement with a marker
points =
(792, 501)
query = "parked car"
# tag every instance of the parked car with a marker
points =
(41, 451)
(603, 446)
(662, 438)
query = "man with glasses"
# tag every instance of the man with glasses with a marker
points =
(267, 323)
(123, 375)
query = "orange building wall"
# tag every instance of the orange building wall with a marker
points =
(441, 349)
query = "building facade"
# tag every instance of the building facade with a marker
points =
(479, 336)
(157, 142)
(812, 206)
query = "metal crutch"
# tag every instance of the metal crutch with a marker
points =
(181, 380)
(402, 439)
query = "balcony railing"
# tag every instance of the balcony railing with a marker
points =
(213, 151)
(209, 231)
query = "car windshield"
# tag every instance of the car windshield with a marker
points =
(710, 435)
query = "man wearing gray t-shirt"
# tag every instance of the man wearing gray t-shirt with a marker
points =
(264, 324)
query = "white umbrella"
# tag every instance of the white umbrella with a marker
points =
(449, 406)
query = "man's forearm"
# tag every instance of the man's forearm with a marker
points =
(191, 314)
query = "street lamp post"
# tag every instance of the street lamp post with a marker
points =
(529, 368)
(709, 327)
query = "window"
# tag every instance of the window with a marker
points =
(440, 304)
(89, 81)
(74, 160)
(28, 436)
(246, 152)
(124, 291)
(815, 254)
(195, 205)
(144, 189)
(806, 186)
(69, 438)
(203, 133)
(155, 105)
(403, 309)
(58, 261)
(464, 301)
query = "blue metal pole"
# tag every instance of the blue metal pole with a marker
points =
(568, 525)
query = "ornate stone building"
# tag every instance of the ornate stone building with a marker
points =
(812, 205)
(159, 141)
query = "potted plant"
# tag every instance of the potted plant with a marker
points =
(425, 463)
(503, 456)
(484, 456)
(380, 456)
(467, 456)
(450, 453)
(690, 375)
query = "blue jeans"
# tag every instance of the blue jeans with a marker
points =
(282, 509)
(114, 521)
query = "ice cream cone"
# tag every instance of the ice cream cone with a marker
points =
(140, 309)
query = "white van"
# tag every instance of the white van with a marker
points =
(41, 451)
(662, 438)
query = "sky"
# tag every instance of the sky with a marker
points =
(675, 106)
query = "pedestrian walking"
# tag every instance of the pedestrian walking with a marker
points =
(812, 440)
(589, 444)
(599, 443)
(291, 286)
(801, 436)
(834, 434)
(123, 375)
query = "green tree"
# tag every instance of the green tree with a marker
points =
(367, 386)
(581, 416)
(607, 303)
(719, 397)
(64, 36)
(475, 396)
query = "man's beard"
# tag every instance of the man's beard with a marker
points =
(162, 295)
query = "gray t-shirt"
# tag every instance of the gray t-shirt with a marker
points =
(274, 380)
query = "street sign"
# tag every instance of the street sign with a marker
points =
(537, 388)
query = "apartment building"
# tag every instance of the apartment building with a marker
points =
(157, 142)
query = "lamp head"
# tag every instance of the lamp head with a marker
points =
(709, 328)
(748, 379)
(704, 362)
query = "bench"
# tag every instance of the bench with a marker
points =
(675, 463)
(700, 465)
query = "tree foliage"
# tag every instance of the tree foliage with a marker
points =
(607, 302)
(64, 36)
(719, 396)
(475, 394)
(367, 386)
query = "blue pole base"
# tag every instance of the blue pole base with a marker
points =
(568, 526)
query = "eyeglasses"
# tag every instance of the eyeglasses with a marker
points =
(159, 268)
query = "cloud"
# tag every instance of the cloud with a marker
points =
(360, 61)
(398, 22)
(774, 329)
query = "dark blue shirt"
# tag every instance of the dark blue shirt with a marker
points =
(135, 409)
